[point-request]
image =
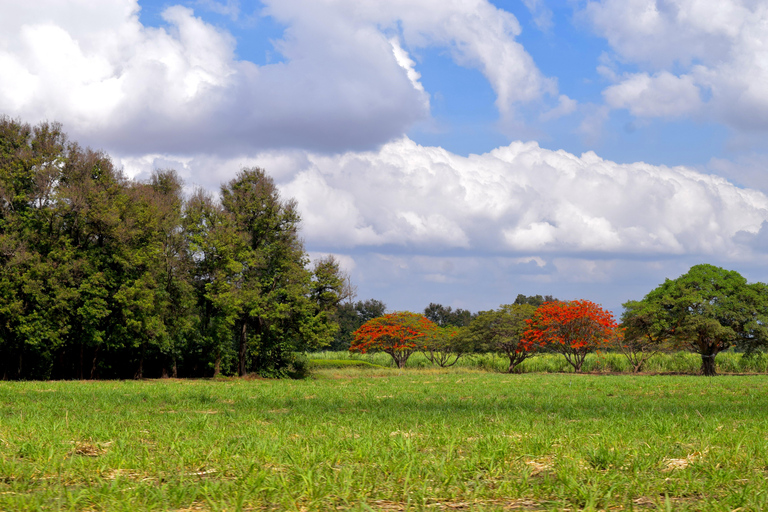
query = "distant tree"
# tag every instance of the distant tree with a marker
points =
(572, 328)
(708, 309)
(350, 316)
(502, 331)
(397, 334)
(643, 332)
(445, 316)
(533, 300)
(445, 346)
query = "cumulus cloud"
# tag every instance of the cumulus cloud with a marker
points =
(714, 47)
(660, 95)
(346, 79)
(519, 199)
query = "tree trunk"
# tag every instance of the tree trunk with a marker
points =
(140, 371)
(175, 369)
(82, 348)
(242, 369)
(217, 364)
(708, 365)
(93, 364)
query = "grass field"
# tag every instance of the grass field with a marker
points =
(606, 362)
(383, 439)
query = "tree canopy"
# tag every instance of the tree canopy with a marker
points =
(102, 276)
(447, 316)
(572, 328)
(398, 334)
(708, 309)
(503, 331)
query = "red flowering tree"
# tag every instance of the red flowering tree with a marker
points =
(572, 328)
(397, 334)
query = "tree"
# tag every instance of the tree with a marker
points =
(278, 315)
(444, 316)
(572, 329)
(397, 334)
(643, 332)
(503, 331)
(533, 300)
(445, 346)
(101, 275)
(350, 316)
(709, 309)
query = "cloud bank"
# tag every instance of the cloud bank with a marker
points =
(517, 201)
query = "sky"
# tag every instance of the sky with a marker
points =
(452, 151)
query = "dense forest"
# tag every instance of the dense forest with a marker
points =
(107, 277)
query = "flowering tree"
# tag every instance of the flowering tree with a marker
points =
(397, 334)
(572, 328)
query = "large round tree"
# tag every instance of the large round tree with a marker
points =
(708, 310)
(574, 329)
(397, 334)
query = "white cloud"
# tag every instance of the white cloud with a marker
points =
(564, 107)
(717, 47)
(519, 219)
(542, 15)
(345, 80)
(660, 95)
(518, 199)
(405, 62)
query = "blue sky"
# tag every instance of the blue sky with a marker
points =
(459, 151)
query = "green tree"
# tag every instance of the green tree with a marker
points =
(643, 332)
(502, 331)
(215, 247)
(445, 316)
(709, 309)
(102, 275)
(533, 300)
(350, 316)
(445, 346)
(278, 315)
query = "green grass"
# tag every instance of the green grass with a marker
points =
(316, 364)
(607, 362)
(385, 439)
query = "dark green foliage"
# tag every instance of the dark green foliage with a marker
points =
(707, 310)
(101, 276)
(502, 331)
(533, 300)
(350, 316)
(445, 316)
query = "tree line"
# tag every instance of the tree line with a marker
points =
(107, 277)
(707, 310)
